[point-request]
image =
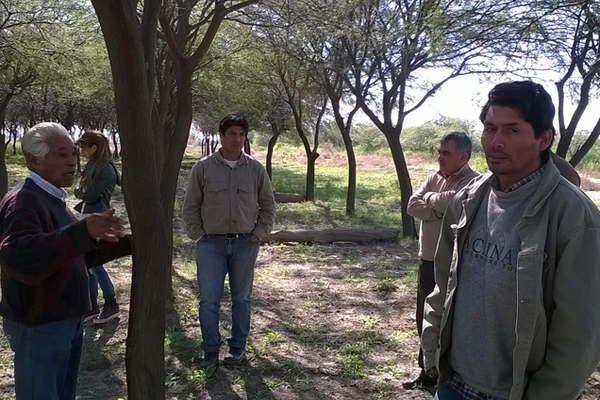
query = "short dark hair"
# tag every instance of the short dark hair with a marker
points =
(530, 99)
(233, 119)
(462, 141)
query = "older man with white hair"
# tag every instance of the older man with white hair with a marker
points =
(43, 274)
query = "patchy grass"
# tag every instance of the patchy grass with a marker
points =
(410, 278)
(351, 359)
(386, 284)
(377, 194)
(270, 341)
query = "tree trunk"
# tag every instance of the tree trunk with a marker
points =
(116, 152)
(310, 175)
(3, 146)
(408, 223)
(8, 141)
(14, 140)
(147, 207)
(270, 148)
(344, 128)
(566, 135)
(152, 150)
(335, 96)
(213, 144)
(586, 146)
(3, 172)
(174, 156)
(351, 192)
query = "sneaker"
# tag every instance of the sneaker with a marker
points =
(92, 314)
(209, 361)
(423, 382)
(235, 356)
(109, 312)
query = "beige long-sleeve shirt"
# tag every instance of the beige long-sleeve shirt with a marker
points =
(429, 203)
(221, 199)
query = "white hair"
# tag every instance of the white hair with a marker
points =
(35, 142)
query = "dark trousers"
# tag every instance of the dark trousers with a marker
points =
(46, 359)
(100, 277)
(426, 285)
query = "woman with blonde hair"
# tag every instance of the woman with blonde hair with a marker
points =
(95, 188)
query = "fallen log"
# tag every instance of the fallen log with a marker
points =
(335, 235)
(289, 197)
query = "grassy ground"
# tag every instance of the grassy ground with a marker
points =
(377, 194)
(329, 322)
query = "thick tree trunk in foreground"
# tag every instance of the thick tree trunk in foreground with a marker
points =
(153, 143)
(145, 203)
(335, 235)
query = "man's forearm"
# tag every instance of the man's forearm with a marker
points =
(31, 257)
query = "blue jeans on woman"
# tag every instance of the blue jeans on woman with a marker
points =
(99, 277)
(46, 360)
(217, 256)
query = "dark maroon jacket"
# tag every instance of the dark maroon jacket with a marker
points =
(43, 274)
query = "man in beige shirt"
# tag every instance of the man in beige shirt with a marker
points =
(428, 204)
(228, 209)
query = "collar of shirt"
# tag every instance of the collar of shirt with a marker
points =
(457, 174)
(496, 183)
(59, 193)
(242, 160)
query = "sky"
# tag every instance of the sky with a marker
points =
(463, 97)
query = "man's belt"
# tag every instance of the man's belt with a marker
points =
(228, 235)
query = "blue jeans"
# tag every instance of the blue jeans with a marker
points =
(447, 392)
(46, 360)
(99, 276)
(457, 389)
(215, 257)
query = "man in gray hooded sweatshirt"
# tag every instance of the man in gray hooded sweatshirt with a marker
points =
(514, 314)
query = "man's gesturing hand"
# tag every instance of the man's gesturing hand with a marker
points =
(104, 226)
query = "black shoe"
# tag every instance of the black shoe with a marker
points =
(92, 314)
(423, 382)
(109, 311)
(235, 356)
(209, 361)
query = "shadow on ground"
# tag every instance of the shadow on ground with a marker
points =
(99, 367)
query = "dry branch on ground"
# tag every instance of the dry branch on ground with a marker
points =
(363, 235)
